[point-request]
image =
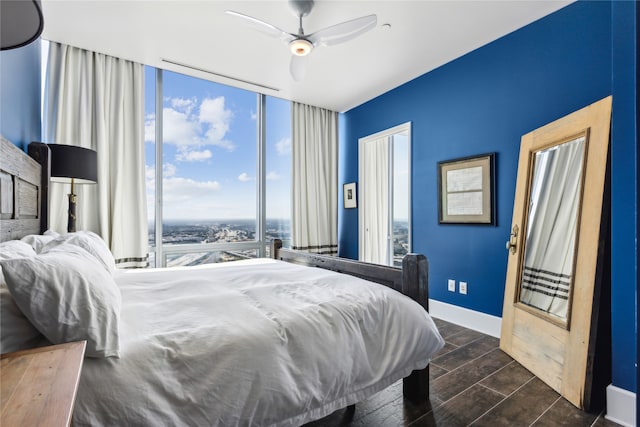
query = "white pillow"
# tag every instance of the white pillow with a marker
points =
(68, 296)
(88, 241)
(17, 332)
(15, 249)
(38, 241)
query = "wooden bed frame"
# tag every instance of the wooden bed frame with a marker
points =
(24, 196)
(24, 190)
(412, 280)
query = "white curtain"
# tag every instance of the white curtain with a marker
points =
(552, 227)
(374, 198)
(314, 149)
(97, 101)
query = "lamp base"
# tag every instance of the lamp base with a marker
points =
(71, 222)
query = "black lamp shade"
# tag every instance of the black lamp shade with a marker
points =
(70, 161)
(21, 23)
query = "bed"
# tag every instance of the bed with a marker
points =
(279, 341)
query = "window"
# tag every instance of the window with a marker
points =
(212, 207)
(149, 154)
(278, 170)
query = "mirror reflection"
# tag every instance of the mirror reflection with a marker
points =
(551, 229)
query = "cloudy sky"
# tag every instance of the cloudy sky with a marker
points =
(209, 150)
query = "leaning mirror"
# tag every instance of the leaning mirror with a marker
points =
(556, 300)
(551, 228)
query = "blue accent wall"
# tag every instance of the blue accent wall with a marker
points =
(20, 94)
(624, 194)
(484, 102)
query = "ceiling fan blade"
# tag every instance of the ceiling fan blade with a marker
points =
(298, 67)
(262, 26)
(344, 31)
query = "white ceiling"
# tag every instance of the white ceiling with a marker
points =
(423, 35)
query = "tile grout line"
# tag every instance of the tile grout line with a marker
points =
(601, 414)
(489, 376)
(476, 383)
(453, 370)
(466, 363)
(499, 403)
(444, 402)
(546, 410)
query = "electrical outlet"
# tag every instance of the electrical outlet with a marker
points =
(463, 288)
(452, 285)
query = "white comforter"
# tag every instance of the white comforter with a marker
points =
(258, 342)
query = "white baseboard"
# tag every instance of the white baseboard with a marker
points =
(621, 403)
(481, 322)
(621, 406)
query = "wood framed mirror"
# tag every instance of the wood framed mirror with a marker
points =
(552, 301)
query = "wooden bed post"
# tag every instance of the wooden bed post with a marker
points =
(415, 278)
(39, 151)
(415, 284)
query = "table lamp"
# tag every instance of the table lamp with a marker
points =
(21, 23)
(77, 165)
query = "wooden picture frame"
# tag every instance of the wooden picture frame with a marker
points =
(466, 190)
(349, 195)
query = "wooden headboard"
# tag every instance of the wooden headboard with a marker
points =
(24, 190)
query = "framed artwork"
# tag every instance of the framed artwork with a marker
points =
(349, 192)
(466, 190)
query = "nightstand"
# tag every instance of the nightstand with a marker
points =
(38, 386)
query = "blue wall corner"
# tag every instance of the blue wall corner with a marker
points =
(20, 71)
(484, 102)
(624, 193)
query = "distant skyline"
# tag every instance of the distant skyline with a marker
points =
(209, 150)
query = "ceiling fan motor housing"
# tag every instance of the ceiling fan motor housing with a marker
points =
(301, 8)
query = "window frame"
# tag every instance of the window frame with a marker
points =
(159, 249)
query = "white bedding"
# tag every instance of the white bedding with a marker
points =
(256, 342)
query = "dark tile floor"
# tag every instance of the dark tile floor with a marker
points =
(472, 383)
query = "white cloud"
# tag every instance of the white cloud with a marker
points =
(150, 172)
(182, 190)
(193, 156)
(188, 198)
(179, 129)
(187, 123)
(150, 128)
(218, 118)
(168, 170)
(183, 104)
(254, 116)
(284, 146)
(273, 176)
(244, 177)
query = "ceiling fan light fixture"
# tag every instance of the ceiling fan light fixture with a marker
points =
(300, 47)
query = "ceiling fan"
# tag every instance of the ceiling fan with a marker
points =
(302, 44)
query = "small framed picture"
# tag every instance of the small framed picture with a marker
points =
(466, 190)
(349, 191)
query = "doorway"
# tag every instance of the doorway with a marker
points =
(384, 180)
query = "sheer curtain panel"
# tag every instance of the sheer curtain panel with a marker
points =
(97, 101)
(314, 150)
(374, 202)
